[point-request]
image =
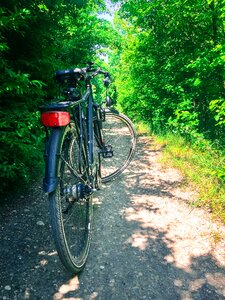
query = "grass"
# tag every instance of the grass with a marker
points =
(203, 170)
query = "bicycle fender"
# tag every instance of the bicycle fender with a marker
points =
(112, 110)
(51, 179)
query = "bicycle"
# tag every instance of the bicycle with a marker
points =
(79, 157)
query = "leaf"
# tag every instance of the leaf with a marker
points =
(197, 82)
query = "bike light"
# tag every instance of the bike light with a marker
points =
(55, 118)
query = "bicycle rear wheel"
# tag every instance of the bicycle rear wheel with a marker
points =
(71, 217)
(119, 133)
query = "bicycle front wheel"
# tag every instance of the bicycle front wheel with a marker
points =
(119, 135)
(70, 217)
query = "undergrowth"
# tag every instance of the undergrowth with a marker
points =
(203, 168)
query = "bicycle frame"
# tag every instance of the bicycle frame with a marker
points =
(52, 148)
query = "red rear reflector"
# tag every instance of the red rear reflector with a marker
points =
(55, 118)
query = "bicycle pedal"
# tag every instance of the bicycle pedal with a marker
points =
(107, 155)
(107, 152)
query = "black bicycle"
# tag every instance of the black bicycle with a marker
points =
(86, 145)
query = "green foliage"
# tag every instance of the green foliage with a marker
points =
(218, 106)
(186, 120)
(37, 38)
(171, 65)
(21, 146)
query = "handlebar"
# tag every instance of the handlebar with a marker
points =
(94, 72)
(107, 79)
(88, 72)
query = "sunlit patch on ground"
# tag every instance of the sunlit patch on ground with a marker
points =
(160, 210)
(184, 233)
(43, 262)
(64, 289)
(97, 201)
(139, 239)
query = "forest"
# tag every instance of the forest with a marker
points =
(166, 57)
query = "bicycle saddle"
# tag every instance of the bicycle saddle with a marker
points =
(64, 76)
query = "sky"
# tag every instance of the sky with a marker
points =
(111, 8)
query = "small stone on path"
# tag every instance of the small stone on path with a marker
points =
(40, 223)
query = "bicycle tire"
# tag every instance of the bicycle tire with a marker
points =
(71, 222)
(118, 131)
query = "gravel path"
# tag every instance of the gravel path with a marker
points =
(148, 243)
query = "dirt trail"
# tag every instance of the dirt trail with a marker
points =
(148, 243)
